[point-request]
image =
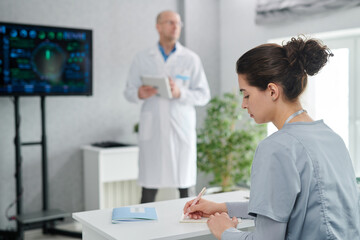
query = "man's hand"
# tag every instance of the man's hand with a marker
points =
(218, 223)
(146, 92)
(175, 90)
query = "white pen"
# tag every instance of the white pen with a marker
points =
(195, 200)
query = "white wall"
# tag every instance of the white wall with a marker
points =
(120, 29)
(202, 24)
(239, 32)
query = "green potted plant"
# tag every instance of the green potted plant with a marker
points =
(227, 142)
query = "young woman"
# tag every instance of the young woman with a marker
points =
(302, 180)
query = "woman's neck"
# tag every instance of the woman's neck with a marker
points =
(288, 110)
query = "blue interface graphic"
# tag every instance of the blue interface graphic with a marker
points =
(43, 60)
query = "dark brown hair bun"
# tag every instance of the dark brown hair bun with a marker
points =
(287, 65)
(307, 55)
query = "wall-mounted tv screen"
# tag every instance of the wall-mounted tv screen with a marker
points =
(44, 60)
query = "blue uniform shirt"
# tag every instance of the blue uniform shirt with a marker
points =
(163, 52)
(303, 175)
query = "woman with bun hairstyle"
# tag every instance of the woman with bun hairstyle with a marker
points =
(303, 183)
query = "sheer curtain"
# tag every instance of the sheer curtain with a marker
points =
(268, 11)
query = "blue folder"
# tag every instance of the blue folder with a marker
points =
(132, 214)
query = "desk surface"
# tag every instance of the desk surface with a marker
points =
(166, 227)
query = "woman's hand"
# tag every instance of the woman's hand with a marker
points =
(203, 208)
(218, 223)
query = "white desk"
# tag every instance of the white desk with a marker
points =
(96, 225)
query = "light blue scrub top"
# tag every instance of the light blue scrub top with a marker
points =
(303, 175)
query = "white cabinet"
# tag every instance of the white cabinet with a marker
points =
(104, 170)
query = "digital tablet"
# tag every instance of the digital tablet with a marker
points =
(160, 83)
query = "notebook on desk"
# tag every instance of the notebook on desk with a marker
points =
(185, 219)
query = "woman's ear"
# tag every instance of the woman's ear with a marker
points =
(274, 91)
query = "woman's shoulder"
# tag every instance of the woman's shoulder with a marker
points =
(299, 137)
(279, 139)
(278, 152)
(297, 131)
(280, 144)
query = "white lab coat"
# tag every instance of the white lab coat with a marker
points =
(167, 128)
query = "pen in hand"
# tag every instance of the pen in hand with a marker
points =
(195, 200)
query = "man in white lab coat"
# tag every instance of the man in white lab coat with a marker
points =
(167, 128)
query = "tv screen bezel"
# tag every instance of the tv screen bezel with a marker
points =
(89, 33)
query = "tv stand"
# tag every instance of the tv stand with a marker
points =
(46, 218)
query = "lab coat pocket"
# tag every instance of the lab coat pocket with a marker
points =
(183, 80)
(145, 126)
